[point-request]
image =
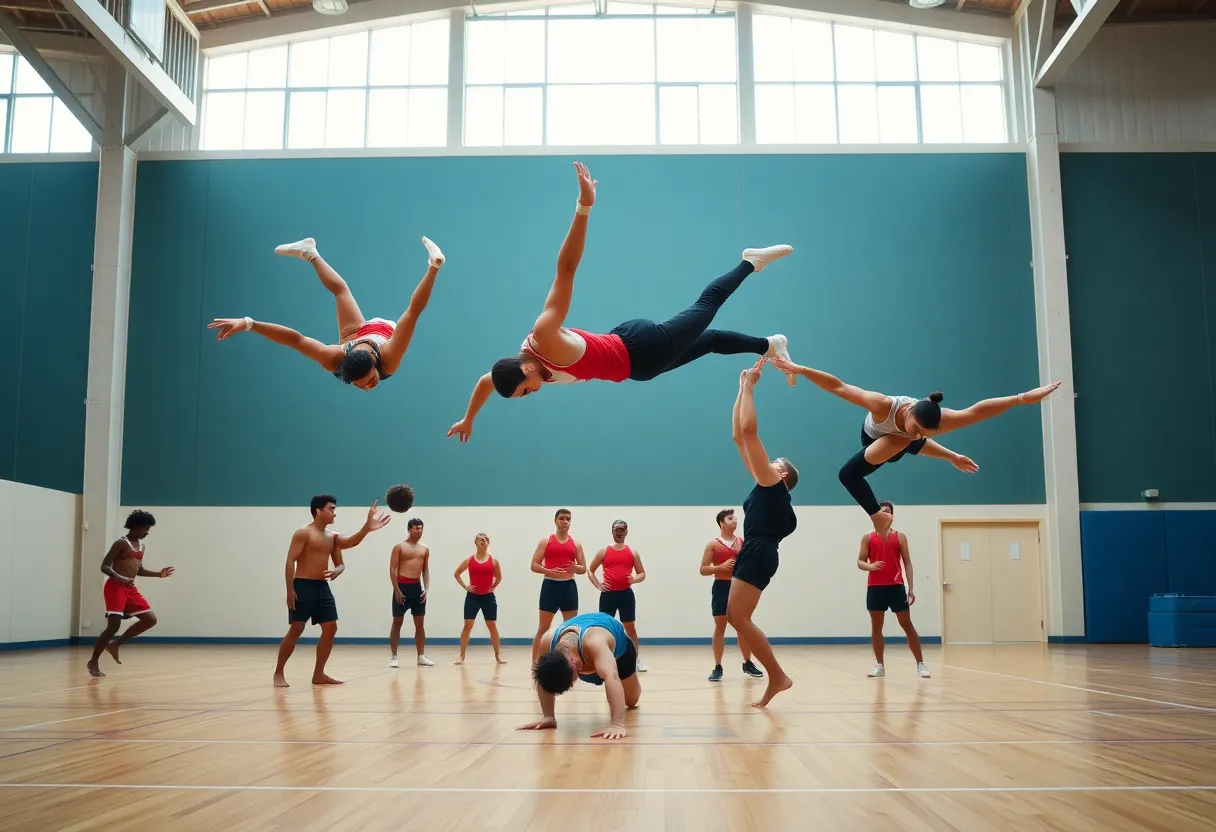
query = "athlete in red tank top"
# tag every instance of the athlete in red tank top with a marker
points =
(622, 569)
(485, 575)
(558, 557)
(718, 562)
(885, 559)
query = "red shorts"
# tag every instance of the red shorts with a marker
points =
(123, 600)
(376, 326)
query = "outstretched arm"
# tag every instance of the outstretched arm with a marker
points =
(877, 403)
(557, 305)
(328, 356)
(481, 394)
(746, 430)
(978, 412)
(938, 451)
(373, 523)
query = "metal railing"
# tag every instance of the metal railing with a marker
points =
(180, 51)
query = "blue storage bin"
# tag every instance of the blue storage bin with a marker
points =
(1182, 621)
(1182, 603)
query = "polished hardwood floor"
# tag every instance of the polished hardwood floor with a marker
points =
(1008, 738)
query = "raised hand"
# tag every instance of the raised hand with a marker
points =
(1038, 394)
(785, 366)
(586, 185)
(229, 326)
(749, 376)
(376, 522)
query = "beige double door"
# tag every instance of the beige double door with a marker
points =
(992, 582)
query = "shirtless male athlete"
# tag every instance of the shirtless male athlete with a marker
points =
(367, 352)
(308, 577)
(122, 565)
(409, 569)
(593, 647)
(638, 349)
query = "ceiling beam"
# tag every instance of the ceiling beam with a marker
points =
(1074, 41)
(133, 57)
(17, 38)
(1046, 37)
(62, 45)
(214, 5)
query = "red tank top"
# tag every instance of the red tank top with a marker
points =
(887, 551)
(559, 555)
(604, 358)
(618, 566)
(481, 575)
(723, 553)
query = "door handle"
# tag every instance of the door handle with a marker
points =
(945, 583)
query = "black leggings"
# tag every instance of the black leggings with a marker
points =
(854, 472)
(655, 349)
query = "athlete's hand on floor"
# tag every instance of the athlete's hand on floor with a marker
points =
(612, 732)
(227, 327)
(964, 464)
(543, 725)
(464, 428)
(586, 185)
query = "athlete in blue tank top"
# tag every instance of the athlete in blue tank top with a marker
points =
(593, 647)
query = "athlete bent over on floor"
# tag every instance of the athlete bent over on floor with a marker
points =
(638, 349)
(593, 647)
(367, 352)
(122, 565)
(308, 577)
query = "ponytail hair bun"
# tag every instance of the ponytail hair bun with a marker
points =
(927, 412)
(936, 398)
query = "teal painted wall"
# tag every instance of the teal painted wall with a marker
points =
(47, 216)
(911, 274)
(1141, 235)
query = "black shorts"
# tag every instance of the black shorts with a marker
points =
(757, 562)
(893, 597)
(414, 603)
(315, 600)
(558, 595)
(913, 448)
(620, 599)
(718, 596)
(487, 604)
(626, 665)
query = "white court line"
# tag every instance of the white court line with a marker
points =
(42, 692)
(73, 719)
(530, 790)
(1183, 681)
(1078, 687)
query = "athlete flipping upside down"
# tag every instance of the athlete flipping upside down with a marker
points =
(638, 349)
(367, 352)
(898, 425)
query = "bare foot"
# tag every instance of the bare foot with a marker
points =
(95, 671)
(459, 660)
(112, 649)
(776, 684)
(329, 680)
(500, 660)
(280, 681)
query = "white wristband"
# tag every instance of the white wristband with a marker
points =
(248, 323)
(580, 208)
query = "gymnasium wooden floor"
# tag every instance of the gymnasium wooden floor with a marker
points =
(1019, 738)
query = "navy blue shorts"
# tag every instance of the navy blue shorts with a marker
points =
(718, 596)
(315, 600)
(487, 604)
(757, 562)
(622, 600)
(893, 597)
(414, 604)
(558, 595)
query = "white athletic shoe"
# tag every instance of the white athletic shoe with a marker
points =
(922, 671)
(433, 252)
(779, 347)
(305, 249)
(393, 662)
(878, 671)
(761, 257)
(423, 661)
(641, 667)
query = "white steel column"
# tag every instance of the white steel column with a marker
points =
(107, 348)
(456, 39)
(747, 75)
(1062, 546)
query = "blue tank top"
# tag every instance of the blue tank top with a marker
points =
(585, 622)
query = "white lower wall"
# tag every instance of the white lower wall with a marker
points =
(38, 542)
(229, 580)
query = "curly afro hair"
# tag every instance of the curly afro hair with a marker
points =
(400, 498)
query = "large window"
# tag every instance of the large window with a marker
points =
(824, 83)
(32, 119)
(383, 88)
(637, 75)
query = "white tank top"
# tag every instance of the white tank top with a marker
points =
(887, 426)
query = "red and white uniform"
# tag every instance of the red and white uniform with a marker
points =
(604, 358)
(481, 575)
(887, 551)
(560, 555)
(123, 600)
(376, 331)
(618, 566)
(723, 552)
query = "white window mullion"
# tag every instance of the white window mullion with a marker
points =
(746, 75)
(456, 64)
